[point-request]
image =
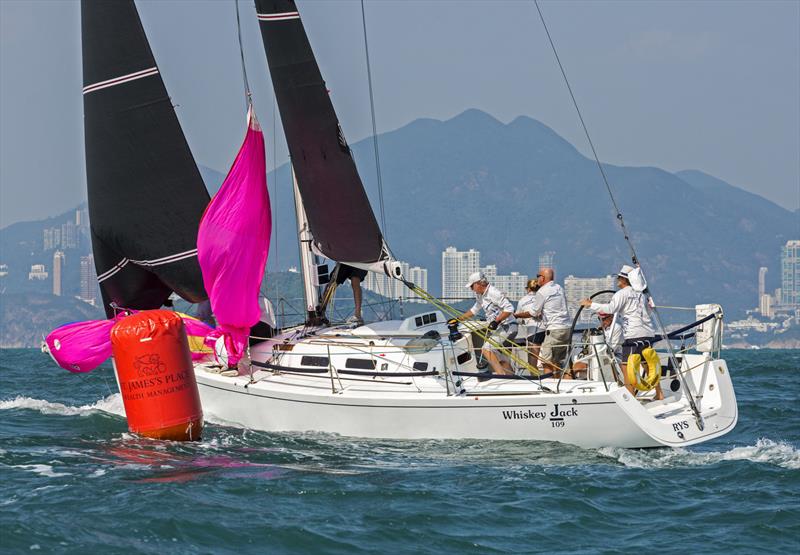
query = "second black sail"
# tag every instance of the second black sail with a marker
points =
(339, 214)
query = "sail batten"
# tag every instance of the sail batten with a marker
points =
(340, 217)
(146, 194)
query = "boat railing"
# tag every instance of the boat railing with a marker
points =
(521, 354)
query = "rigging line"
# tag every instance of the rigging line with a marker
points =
(275, 212)
(374, 126)
(634, 258)
(588, 137)
(247, 93)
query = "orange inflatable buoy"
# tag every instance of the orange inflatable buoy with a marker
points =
(156, 376)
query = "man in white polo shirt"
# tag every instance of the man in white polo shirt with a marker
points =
(499, 314)
(630, 306)
(550, 304)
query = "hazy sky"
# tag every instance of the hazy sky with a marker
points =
(713, 86)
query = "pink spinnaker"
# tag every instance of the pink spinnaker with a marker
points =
(83, 346)
(233, 243)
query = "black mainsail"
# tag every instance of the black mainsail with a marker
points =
(146, 194)
(339, 214)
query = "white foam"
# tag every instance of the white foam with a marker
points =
(42, 469)
(764, 451)
(111, 404)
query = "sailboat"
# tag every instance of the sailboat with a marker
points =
(417, 377)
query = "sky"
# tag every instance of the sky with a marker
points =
(713, 86)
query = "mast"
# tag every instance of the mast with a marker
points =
(309, 262)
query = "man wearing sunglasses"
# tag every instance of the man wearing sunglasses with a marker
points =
(550, 305)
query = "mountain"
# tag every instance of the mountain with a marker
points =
(25, 318)
(515, 190)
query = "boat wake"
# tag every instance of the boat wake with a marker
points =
(111, 405)
(765, 451)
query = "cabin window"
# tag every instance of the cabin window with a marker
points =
(314, 361)
(425, 319)
(463, 357)
(420, 366)
(360, 363)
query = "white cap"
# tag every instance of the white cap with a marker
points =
(625, 270)
(474, 277)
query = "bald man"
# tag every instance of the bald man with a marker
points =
(550, 304)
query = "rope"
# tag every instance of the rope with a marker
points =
(247, 93)
(374, 126)
(275, 243)
(588, 137)
(486, 336)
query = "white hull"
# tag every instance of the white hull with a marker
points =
(582, 412)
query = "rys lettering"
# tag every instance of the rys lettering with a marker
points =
(680, 426)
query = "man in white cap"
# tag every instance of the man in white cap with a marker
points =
(630, 307)
(550, 304)
(499, 314)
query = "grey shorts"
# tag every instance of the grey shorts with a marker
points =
(554, 347)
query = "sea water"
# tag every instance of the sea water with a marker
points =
(73, 480)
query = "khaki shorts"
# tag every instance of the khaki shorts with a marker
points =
(500, 335)
(554, 347)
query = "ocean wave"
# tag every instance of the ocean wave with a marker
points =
(764, 451)
(41, 469)
(111, 404)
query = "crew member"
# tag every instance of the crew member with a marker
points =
(550, 304)
(629, 306)
(528, 326)
(356, 276)
(499, 314)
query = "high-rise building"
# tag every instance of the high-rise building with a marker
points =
(490, 272)
(576, 288)
(38, 272)
(386, 286)
(51, 238)
(456, 268)
(762, 281)
(58, 270)
(394, 289)
(513, 285)
(547, 260)
(82, 224)
(88, 280)
(790, 274)
(765, 306)
(69, 235)
(419, 277)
